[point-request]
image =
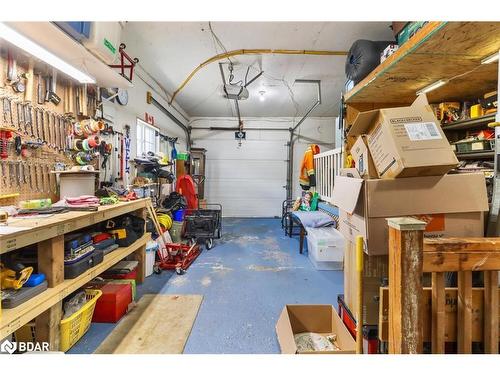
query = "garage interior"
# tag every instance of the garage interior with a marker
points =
(218, 187)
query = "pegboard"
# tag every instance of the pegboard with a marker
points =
(29, 173)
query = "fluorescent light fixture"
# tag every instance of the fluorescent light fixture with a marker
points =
(432, 86)
(12, 36)
(490, 59)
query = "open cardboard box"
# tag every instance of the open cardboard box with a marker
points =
(405, 141)
(452, 205)
(321, 319)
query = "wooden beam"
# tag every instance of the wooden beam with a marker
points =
(461, 261)
(464, 321)
(405, 285)
(140, 256)
(47, 326)
(438, 313)
(51, 260)
(463, 244)
(491, 312)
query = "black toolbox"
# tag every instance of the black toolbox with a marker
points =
(13, 298)
(75, 269)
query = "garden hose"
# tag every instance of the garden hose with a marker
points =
(165, 221)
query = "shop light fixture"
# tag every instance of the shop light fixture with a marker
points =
(490, 59)
(19, 40)
(432, 86)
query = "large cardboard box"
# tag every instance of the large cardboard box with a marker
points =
(375, 271)
(321, 319)
(362, 159)
(452, 205)
(405, 141)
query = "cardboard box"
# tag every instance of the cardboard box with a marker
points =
(375, 270)
(452, 205)
(364, 162)
(405, 141)
(322, 319)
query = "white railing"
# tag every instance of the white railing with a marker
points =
(327, 165)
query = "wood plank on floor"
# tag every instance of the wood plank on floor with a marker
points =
(159, 324)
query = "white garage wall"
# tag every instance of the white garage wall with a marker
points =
(137, 107)
(249, 181)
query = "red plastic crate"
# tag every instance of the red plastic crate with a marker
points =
(113, 303)
(370, 333)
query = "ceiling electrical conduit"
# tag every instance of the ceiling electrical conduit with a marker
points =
(253, 52)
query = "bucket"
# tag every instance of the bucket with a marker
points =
(151, 248)
(176, 231)
(179, 215)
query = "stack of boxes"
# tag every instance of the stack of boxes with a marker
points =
(402, 159)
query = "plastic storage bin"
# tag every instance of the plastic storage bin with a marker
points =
(75, 185)
(151, 249)
(74, 327)
(325, 248)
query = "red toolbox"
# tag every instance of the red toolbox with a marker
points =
(113, 303)
(370, 332)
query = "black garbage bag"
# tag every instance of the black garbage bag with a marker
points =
(174, 201)
(363, 57)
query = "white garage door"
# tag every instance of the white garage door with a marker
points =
(247, 181)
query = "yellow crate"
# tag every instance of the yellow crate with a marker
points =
(74, 327)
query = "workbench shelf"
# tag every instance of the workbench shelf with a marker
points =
(48, 234)
(475, 123)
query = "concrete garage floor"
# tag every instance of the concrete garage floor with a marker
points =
(246, 279)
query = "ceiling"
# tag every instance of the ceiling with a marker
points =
(169, 51)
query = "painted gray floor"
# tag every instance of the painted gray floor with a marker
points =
(246, 279)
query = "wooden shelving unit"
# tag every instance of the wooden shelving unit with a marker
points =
(13, 319)
(48, 234)
(440, 50)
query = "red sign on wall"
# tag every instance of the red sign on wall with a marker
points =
(149, 118)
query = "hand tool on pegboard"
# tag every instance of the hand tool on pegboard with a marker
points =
(55, 132)
(13, 77)
(3, 76)
(4, 172)
(40, 97)
(50, 88)
(7, 111)
(28, 118)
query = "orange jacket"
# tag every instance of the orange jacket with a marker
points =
(307, 177)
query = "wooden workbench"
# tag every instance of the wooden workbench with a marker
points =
(48, 233)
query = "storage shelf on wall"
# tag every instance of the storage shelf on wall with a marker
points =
(476, 155)
(475, 123)
(440, 50)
